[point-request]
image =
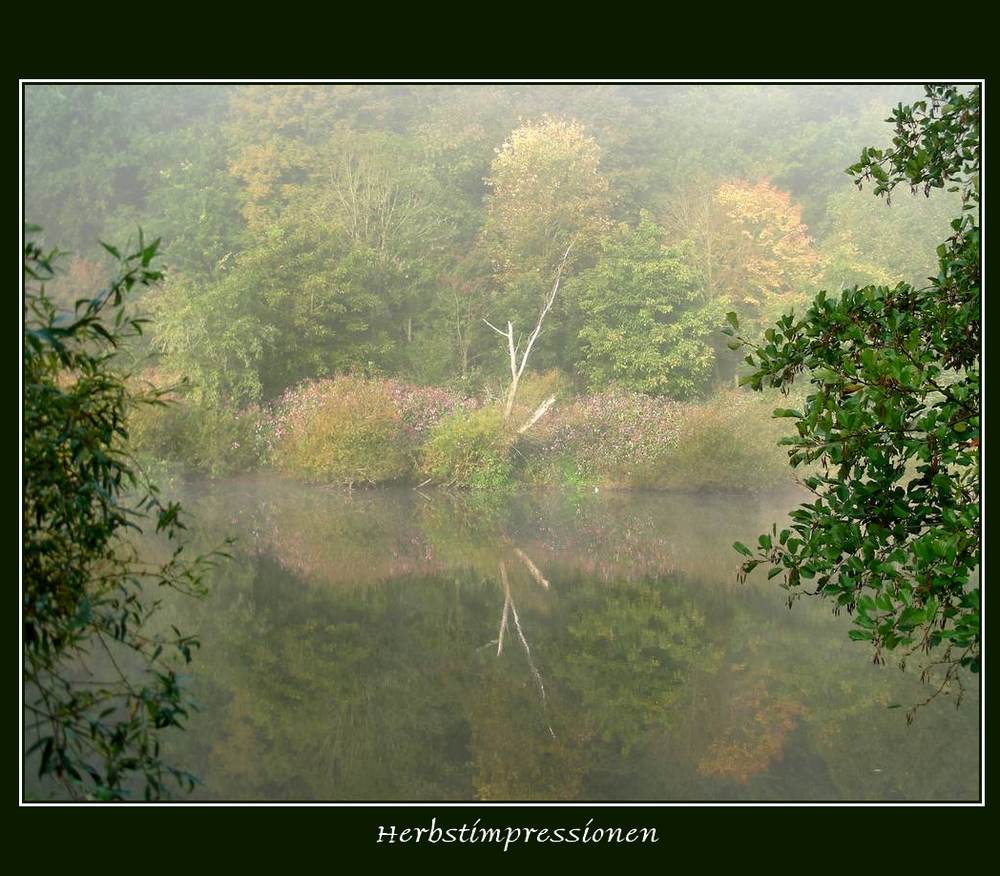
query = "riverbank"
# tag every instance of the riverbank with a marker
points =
(351, 431)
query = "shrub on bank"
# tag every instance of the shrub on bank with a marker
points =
(200, 439)
(469, 449)
(728, 442)
(539, 470)
(342, 431)
(604, 437)
(352, 430)
(422, 407)
(625, 439)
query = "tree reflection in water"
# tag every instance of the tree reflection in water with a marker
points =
(510, 608)
(344, 658)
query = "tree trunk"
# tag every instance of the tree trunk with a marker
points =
(516, 370)
(511, 392)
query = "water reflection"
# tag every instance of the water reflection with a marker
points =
(395, 646)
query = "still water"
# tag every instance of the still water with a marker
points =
(398, 645)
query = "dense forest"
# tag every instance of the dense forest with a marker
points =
(336, 249)
(606, 327)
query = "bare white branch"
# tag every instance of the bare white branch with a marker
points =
(506, 607)
(532, 568)
(517, 365)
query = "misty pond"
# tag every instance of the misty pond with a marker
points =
(396, 645)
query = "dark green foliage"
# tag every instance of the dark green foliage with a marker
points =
(646, 317)
(893, 418)
(469, 449)
(101, 681)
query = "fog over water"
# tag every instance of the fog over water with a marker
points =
(462, 370)
(351, 653)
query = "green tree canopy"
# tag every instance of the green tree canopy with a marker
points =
(645, 318)
(101, 680)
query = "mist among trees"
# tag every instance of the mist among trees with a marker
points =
(491, 290)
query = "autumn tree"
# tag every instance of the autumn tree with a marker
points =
(546, 206)
(272, 131)
(750, 244)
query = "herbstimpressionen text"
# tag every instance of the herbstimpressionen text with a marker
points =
(475, 833)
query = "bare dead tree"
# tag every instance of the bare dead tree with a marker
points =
(517, 365)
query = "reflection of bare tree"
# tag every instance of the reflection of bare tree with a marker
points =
(510, 610)
(506, 607)
(532, 568)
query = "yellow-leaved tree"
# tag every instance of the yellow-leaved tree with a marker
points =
(751, 245)
(547, 203)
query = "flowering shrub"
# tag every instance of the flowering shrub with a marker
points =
(608, 434)
(632, 440)
(345, 430)
(469, 449)
(421, 407)
(726, 443)
(351, 430)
